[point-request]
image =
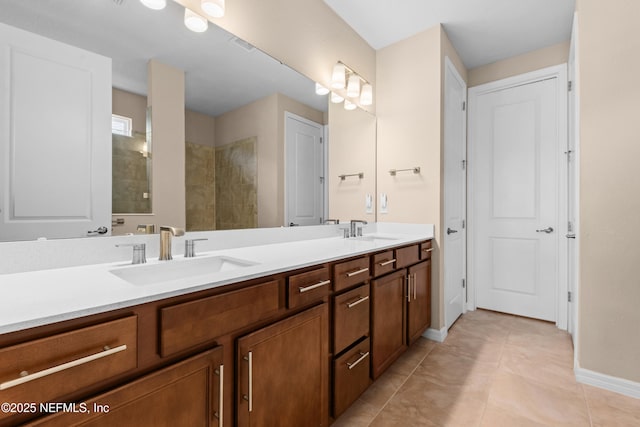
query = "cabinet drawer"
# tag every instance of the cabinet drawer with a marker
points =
(350, 273)
(45, 369)
(308, 287)
(351, 317)
(351, 377)
(383, 263)
(407, 256)
(426, 249)
(192, 323)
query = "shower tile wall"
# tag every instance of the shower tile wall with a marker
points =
(130, 175)
(200, 187)
(236, 185)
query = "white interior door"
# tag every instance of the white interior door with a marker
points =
(55, 138)
(518, 141)
(454, 246)
(304, 170)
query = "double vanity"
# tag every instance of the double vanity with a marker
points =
(270, 327)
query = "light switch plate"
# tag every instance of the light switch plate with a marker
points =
(368, 204)
(384, 203)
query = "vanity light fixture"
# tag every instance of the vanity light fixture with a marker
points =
(154, 4)
(321, 90)
(366, 95)
(353, 88)
(195, 22)
(214, 8)
(335, 98)
(349, 106)
(338, 77)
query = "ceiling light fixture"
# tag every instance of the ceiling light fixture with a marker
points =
(335, 98)
(154, 4)
(195, 22)
(321, 90)
(214, 8)
(348, 105)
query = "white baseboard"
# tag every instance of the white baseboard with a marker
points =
(435, 334)
(607, 382)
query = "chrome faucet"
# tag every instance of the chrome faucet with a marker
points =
(165, 241)
(356, 231)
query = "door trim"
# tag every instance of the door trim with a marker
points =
(559, 72)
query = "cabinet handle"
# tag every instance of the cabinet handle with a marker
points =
(415, 287)
(219, 414)
(427, 250)
(383, 263)
(360, 359)
(355, 273)
(317, 285)
(409, 288)
(358, 301)
(249, 398)
(45, 372)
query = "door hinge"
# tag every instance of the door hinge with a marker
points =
(321, 140)
(464, 165)
(464, 223)
(464, 105)
(569, 227)
(569, 296)
(464, 283)
(322, 180)
(569, 85)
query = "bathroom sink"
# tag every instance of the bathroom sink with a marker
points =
(181, 268)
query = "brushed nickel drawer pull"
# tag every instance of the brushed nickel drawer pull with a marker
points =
(219, 414)
(360, 359)
(383, 263)
(409, 288)
(317, 285)
(49, 371)
(427, 250)
(355, 273)
(249, 398)
(358, 301)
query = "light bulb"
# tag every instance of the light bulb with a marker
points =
(335, 98)
(154, 4)
(321, 90)
(213, 8)
(195, 22)
(348, 105)
(338, 76)
(353, 88)
(366, 96)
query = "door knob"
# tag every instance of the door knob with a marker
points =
(545, 230)
(450, 231)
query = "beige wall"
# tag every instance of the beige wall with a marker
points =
(166, 98)
(408, 112)
(609, 63)
(199, 128)
(264, 119)
(131, 105)
(535, 60)
(304, 34)
(352, 149)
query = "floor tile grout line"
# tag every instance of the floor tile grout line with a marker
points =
(400, 386)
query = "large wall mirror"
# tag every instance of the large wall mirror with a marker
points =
(235, 99)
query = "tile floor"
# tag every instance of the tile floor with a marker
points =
(492, 370)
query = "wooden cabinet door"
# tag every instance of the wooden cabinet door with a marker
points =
(283, 372)
(184, 394)
(419, 301)
(388, 341)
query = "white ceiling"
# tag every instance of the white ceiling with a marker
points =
(219, 74)
(482, 31)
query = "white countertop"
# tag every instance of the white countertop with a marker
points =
(35, 298)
